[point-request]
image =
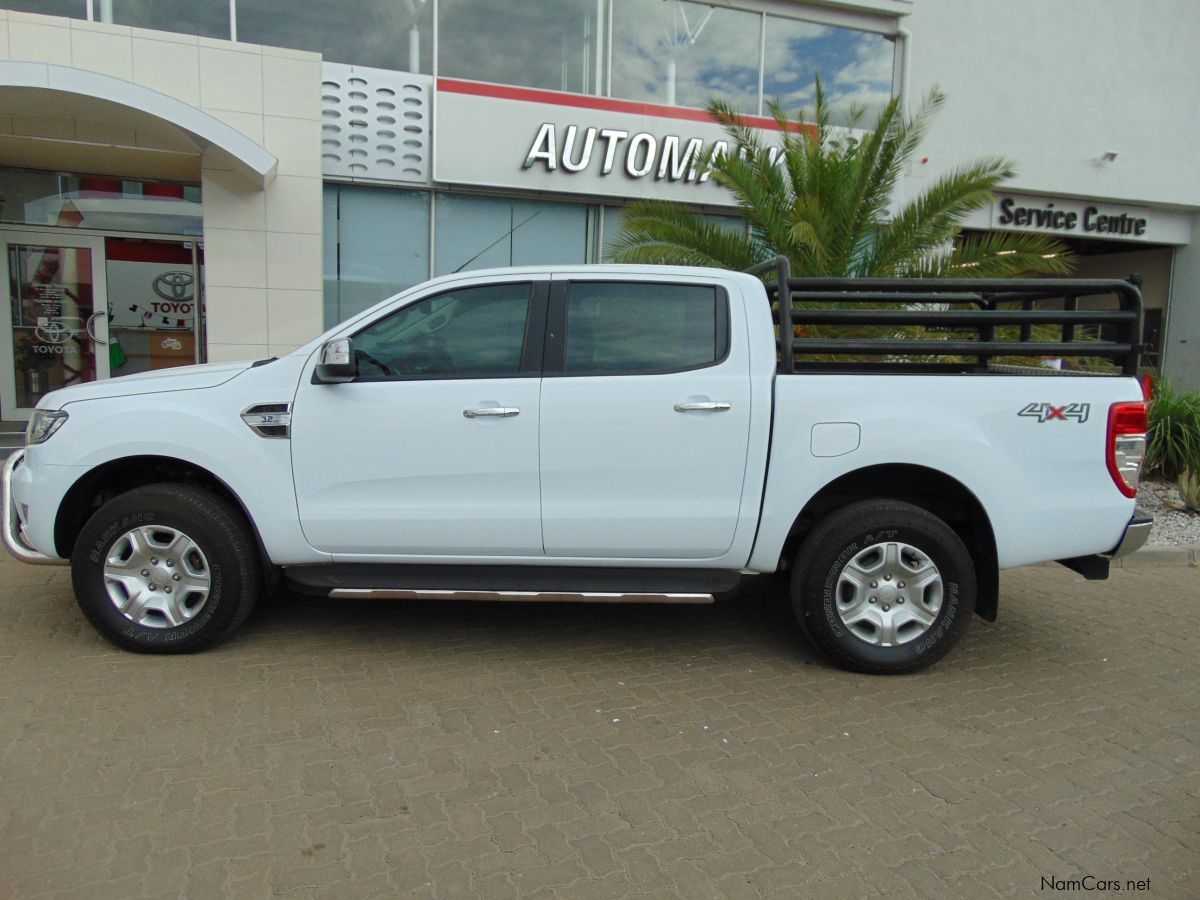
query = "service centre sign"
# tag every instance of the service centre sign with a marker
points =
(529, 139)
(1068, 217)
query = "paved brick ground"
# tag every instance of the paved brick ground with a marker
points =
(353, 750)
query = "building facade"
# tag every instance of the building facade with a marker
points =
(223, 179)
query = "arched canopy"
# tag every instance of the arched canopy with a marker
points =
(90, 94)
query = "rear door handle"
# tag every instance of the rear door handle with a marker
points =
(702, 406)
(498, 411)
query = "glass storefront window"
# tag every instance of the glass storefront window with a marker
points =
(72, 9)
(155, 291)
(207, 18)
(35, 197)
(483, 232)
(329, 252)
(855, 68)
(614, 224)
(382, 246)
(685, 54)
(543, 45)
(377, 240)
(386, 34)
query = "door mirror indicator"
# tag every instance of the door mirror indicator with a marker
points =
(337, 364)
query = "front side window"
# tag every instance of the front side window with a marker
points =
(474, 332)
(625, 328)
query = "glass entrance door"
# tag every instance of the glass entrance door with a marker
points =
(55, 331)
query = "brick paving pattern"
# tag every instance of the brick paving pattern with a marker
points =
(342, 750)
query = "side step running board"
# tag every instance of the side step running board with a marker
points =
(529, 584)
(520, 596)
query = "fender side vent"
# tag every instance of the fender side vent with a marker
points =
(269, 420)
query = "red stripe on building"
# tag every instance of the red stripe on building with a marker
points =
(147, 251)
(606, 104)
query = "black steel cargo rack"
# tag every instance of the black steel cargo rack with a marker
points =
(969, 311)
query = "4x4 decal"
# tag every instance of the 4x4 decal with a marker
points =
(1048, 412)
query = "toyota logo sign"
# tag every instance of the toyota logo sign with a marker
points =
(174, 285)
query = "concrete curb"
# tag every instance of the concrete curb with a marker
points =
(1155, 556)
(1158, 556)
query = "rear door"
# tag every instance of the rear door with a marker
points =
(645, 420)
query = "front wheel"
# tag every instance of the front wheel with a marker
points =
(166, 568)
(883, 586)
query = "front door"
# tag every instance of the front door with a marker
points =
(645, 421)
(433, 450)
(55, 330)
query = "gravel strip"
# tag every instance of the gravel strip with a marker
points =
(1174, 526)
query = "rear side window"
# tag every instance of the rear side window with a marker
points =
(629, 328)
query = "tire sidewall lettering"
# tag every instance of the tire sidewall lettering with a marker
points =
(832, 619)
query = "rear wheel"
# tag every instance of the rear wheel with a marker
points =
(167, 568)
(883, 586)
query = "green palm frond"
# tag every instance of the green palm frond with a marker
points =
(822, 196)
(934, 218)
(1000, 255)
(655, 231)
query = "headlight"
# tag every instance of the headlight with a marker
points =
(43, 424)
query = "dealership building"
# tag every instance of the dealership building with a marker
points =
(186, 180)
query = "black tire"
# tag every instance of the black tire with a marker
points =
(217, 528)
(835, 542)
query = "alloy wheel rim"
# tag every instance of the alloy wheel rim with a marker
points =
(889, 594)
(157, 576)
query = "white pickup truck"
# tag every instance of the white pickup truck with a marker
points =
(609, 434)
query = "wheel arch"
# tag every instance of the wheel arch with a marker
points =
(940, 494)
(110, 479)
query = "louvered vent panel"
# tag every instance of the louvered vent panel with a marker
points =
(376, 124)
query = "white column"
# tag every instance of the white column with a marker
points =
(1181, 332)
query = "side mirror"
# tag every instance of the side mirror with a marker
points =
(337, 364)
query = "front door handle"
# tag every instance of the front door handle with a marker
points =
(702, 406)
(498, 411)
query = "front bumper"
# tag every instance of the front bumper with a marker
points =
(13, 530)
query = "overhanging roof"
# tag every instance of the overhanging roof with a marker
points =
(246, 156)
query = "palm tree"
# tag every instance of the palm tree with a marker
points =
(822, 199)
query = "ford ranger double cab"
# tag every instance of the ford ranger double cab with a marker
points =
(611, 434)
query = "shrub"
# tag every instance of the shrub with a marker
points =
(1189, 490)
(1173, 441)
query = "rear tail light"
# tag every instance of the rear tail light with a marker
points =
(1126, 445)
